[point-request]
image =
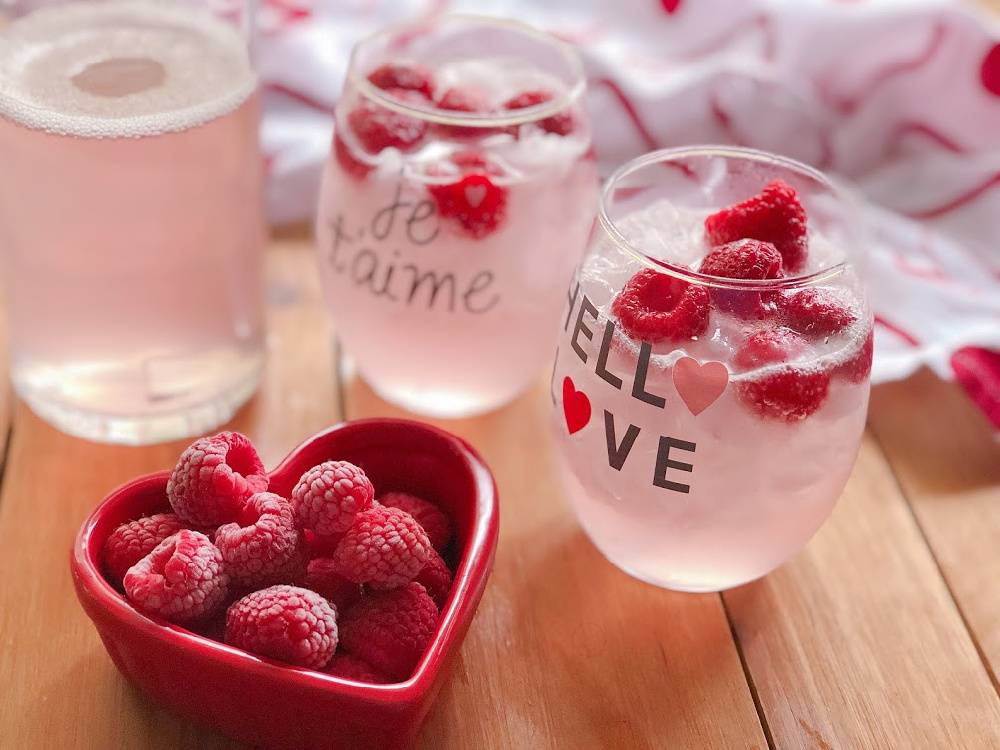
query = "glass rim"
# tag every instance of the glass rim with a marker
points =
(536, 112)
(686, 274)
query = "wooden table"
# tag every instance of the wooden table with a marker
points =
(884, 633)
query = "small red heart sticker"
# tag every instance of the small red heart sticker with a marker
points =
(671, 5)
(576, 406)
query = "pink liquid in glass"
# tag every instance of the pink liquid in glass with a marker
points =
(130, 219)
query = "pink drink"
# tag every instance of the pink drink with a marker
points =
(674, 471)
(442, 317)
(130, 219)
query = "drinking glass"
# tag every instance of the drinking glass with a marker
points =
(454, 206)
(705, 424)
(131, 214)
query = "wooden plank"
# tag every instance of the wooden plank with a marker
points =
(947, 459)
(59, 687)
(856, 642)
(566, 651)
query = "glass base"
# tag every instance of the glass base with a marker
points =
(680, 584)
(148, 429)
(442, 404)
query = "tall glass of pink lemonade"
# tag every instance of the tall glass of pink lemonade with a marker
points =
(455, 204)
(131, 222)
(711, 378)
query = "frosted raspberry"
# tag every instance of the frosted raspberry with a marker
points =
(182, 580)
(789, 393)
(133, 540)
(290, 624)
(816, 312)
(560, 124)
(743, 259)
(424, 512)
(473, 205)
(352, 668)
(436, 578)
(347, 161)
(390, 629)
(465, 100)
(774, 215)
(409, 77)
(323, 578)
(385, 548)
(859, 367)
(214, 477)
(769, 347)
(377, 127)
(654, 306)
(264, 546)
(328, 497)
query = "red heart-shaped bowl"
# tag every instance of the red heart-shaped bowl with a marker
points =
(267, 704)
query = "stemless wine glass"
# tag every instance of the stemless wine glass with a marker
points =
(711, 379)
(455, 204)
(131, 214)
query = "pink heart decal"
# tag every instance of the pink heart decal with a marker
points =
(670, 5)
(576, 406)
(699, 385)
(475, 195)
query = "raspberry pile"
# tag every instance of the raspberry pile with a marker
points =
(759, 239)
(465, 187)
(326, 578)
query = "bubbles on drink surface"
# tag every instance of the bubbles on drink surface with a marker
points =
(116, 69)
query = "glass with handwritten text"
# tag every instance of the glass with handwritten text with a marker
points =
(131, 221)
(711, 377)
(454, 206)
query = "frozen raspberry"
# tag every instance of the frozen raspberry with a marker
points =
(290, 624)
(474, 204)
(352, 668)
(327, 497)
(377, 127)
(264, 546)
(214, 477)
(560, 124)
(408, 77)
(816, 312)
(426, 513)
(390, 629)
(323, 578)
(775, 215)
(347, 161)
(743, 259)
(464, 100)
(769, 347)
(655, 306)
(859, 367)
(182, 580)
(785, 393)
(132, 541)
(436, 578)
(385, 548)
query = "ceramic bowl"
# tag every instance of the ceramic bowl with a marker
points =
(267, 704)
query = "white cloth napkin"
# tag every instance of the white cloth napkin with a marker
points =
(900, 97)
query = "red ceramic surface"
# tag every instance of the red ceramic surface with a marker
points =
(267, 704)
